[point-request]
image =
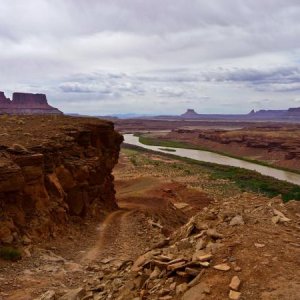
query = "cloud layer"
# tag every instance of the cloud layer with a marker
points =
(103, 57)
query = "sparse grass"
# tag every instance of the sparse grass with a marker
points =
(10, 253)
(168, 149)
(245, 180)
(165, 143)
(133, 160)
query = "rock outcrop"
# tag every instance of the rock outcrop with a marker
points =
(190, 114)
(26, 103)
(61, 170)
(293, 112)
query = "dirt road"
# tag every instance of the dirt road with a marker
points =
(121, 236)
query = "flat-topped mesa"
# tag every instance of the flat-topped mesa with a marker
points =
(190, 113)
(30, 100)
(294, 112)
(26, 103)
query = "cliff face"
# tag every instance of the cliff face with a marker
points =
(26, 103)
(45, 181)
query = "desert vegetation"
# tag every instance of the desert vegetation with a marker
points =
(245, 180)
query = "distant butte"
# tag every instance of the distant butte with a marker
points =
(291, 114)
(190, 113)
(26, 103)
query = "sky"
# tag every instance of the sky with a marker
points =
(103, 57)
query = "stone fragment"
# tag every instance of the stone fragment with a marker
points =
(213, 247)
(281, 216)
(196, 280)
(222, 267)
(197, 254)
(49, 295)
(237, 269)
(176, 266)
(237, 220)
(155, 224)
(75, 294)
(259, 245)
(140, 261)
(206, 257)
(233, 295)
(72, 267)
(200, 244)
(204, 264)
(5, 235)
(155, 273)
(235, 283)
(192, 271)
(197, 292)
(173, 286)
(275, 219)
(52, 258)
(181, 288)
(212, 232)
(182, 274)
(27, 252)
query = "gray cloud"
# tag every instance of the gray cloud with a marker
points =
(271, 79)
(134, 53)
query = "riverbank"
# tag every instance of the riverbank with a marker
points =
(243, 179)
(151, 141)
(278, 146)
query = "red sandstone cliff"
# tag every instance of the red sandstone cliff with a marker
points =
(58, 168)
(26, 103)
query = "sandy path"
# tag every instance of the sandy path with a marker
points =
(121, 236)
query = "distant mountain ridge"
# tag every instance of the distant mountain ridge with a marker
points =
(289, 114)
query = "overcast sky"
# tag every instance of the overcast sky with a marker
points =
(154, 57)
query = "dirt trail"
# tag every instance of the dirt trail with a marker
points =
(108, 231)
(120, 238)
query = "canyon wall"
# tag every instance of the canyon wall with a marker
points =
(54, 168)
(26, 103)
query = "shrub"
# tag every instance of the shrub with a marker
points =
(10, 253)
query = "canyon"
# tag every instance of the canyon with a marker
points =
(26, 103)
(93, 220)
(272, 143)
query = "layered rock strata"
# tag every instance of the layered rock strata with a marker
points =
(47, 177)
(26, 103)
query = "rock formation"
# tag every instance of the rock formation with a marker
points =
(26, 103)
(58, 167)
(292, 114)
(190, 114)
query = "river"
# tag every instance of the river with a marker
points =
(211, 157)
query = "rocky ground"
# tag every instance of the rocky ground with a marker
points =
(177, 235)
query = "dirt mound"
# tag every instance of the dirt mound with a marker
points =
(168, 203)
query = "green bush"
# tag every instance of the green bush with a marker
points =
(10, 253)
